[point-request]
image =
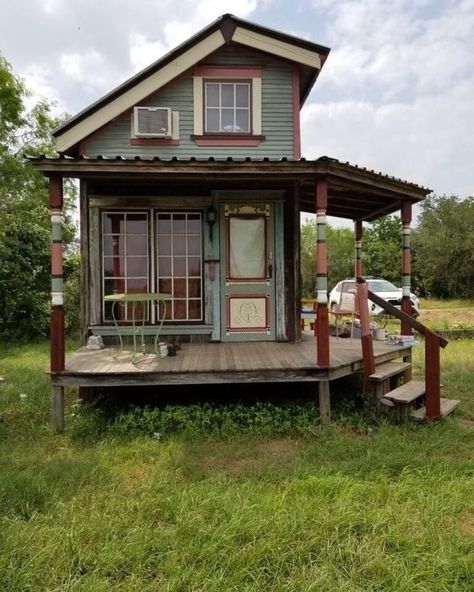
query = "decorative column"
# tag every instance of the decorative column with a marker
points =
(322, 320)
(406, 216)
(358, 248)
(57, 311)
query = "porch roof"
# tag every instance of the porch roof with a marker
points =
(353, 192)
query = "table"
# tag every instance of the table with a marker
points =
(142, 298)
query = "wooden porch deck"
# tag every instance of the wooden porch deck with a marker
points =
(206, 363)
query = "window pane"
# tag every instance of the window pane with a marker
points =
(115, 286)
(242, 119)
(212, 120)
(195, 310)
(179, 245)
(227, 95)
(179, 223)
(247, 247)
(136, 224)
(179, 266)
(179, 309)
(113, 223)
(194, 266)
(114, 245)
(242, 95)
(179, 288)
(194, 288)
(164, 286)
(164, 266)
(212, 95)
(164, 223)
(137, 286)
(194, 245)
(194, 224)
(228, 120)
(137, 266)
(114, 266)
(137, 244)
(164, 245)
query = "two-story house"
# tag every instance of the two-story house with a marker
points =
(191, 186)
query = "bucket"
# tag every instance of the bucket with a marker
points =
(380, 335)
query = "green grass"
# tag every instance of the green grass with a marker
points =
(434, 303)
(238, 498)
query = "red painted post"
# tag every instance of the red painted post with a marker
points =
(322, 318)
(57, 310)
(432, 376)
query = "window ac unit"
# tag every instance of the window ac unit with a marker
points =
(152, 122)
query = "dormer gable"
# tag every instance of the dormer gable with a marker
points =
(218, 88)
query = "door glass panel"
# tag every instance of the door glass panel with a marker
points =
(247, 247)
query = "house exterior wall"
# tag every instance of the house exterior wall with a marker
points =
(277, 115)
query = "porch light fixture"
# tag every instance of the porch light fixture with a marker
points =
(211, 219)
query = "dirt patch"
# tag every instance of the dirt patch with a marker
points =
(248, 458)
(467, 423)
(448, 317)
(467, 524)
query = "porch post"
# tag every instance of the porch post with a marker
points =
(406, 215)
(358, 248)
(57, 355)
(322, 320)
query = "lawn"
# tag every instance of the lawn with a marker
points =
(238, 498)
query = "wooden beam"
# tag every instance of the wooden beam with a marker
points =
(432, 376)
(322, 317)
(324, 402)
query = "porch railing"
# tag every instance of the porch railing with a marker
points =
(433, 342)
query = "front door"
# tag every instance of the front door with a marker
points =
(248, 284)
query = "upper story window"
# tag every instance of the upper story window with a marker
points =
(227, 107)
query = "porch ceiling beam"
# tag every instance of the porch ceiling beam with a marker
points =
(305, 171)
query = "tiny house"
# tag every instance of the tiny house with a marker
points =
(191, 187)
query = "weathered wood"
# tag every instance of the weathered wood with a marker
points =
(366, 337)
(57, 407)
(433, 376)
(57, 348)
(85, 265)
(218, 362)
(408, 392)
(95, 264)
(324, 401)
(384, 371)
(447, 406)
(322, 318)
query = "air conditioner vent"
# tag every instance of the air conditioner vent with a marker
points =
(152, 122)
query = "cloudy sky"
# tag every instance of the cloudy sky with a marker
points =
(395, 95)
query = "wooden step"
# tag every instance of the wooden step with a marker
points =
(407, 393)
(384, 371)
(447, 407)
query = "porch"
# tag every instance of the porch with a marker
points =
(230, 362)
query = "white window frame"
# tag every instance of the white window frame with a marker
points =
(234, 108)
(152, 254)
(255, 101)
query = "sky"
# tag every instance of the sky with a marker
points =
(396, 94)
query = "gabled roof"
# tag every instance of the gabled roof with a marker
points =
(226, 29)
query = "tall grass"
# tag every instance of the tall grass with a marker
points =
(237, 498)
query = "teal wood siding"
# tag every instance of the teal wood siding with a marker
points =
(277, 116)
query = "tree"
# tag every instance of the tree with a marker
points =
(24, 211)
(382, 249)
(340, 253)
(443, 246)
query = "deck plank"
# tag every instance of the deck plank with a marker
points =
(267, 360)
